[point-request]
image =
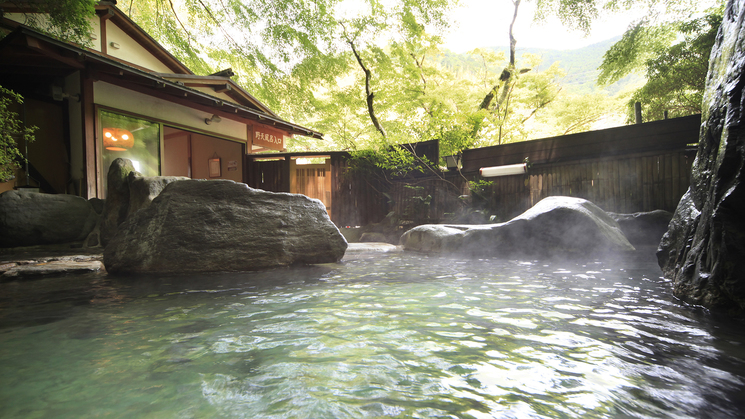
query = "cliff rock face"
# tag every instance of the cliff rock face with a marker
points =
(557, 226)
(196, 226)
(703, 251)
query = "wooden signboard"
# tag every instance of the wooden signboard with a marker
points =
(267, 137)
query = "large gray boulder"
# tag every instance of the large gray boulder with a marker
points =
(217, 226)
(30, 219)
(703, 252)
(142, 189)
(555, 226)
(127, 192)
(116, 205)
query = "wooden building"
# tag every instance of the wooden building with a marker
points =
(126, 96)
(633, 168)
(625, 169)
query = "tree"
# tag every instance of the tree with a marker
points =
(580, 14)
(536, 91)
(351, 39)
(672, 54)
(65, 19)
(674, 58)
(572, 113)
(12, 131)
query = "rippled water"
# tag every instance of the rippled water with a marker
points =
(390, 336)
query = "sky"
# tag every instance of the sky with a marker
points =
(483, 23)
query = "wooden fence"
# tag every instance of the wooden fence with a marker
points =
(625, 169)
(354, 200)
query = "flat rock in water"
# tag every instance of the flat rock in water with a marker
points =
(556, 226)
(370, 248)
(51, 266)
(198, 226)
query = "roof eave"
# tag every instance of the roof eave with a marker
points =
(172, 87)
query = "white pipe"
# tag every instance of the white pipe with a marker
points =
(510, 169)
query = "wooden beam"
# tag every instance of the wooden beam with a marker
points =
(50, 52)
(223, 88)
(92, 187)
(103, 36)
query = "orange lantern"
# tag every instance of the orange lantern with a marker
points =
(117, 139)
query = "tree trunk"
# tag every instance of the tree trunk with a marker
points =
(508, 72)
(368, 91)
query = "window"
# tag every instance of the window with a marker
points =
(130, 138)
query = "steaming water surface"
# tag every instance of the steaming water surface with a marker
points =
(390, 336)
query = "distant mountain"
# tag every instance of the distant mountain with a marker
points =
(581, 65)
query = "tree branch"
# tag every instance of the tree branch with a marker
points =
(421, 70)
(370, 95)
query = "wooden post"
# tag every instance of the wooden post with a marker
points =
(92, 188)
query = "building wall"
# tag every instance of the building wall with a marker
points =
(176, 158)
(131, 51)
(147, 106)
(75, 124)
(230, 153)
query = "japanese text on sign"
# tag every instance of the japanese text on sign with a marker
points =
(269, 137)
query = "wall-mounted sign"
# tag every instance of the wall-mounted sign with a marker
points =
(214, 164)
(232, 165)
(269, 137)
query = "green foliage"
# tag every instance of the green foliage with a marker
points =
(639, 44)
(572, 113)
(674, 57)
(580, 14)
(481, 188)
(282, 51)
(65, 19)
(385, 163)
(482, 194)
(417, 207)
(12, 131)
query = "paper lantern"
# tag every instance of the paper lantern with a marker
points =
(117, 139)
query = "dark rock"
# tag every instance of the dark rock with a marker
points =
(97, 204)
(387, 231)
(643, 228)
(374, 237)
(116, 206)
(556, 226)
(216, 226)
(93, 240)
(142, 190)
(128, 191)
(30, 219)
(703, 252)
